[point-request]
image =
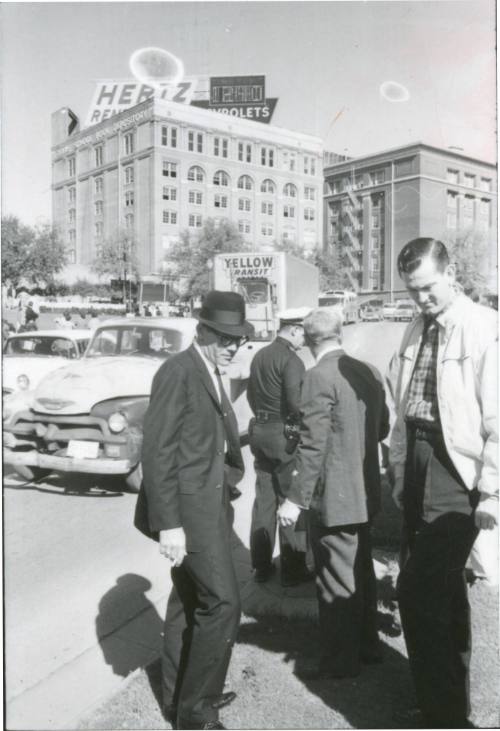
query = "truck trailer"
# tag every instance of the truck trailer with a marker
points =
(269, 283)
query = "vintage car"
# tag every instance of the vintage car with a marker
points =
(29, 356)
(405, 311)
(389, 310)
(88, 417)
(371, 312)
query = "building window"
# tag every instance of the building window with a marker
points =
(195, 197)
(98, 229)
(289, 161)
(288, 212)
(169, 169)
(195, 141)
(170, 217)
(309, 193)
(375, 240)
(359, 181)
(169, 194)
(486, 184)
(452, 176)
(195, 173)
(484, 214)
(267, 186)
(71, 166)
(220, 201)
(377, 176)
(245, 182)
(244, 227)
(267, 230)
(290, 191)
(194, 220)
(452, 209)
(468, 210)
(168, 136)
(309, 214)
(98, 186)
(244, 152)
(129, 175)
(72, 235)
(469, 180)
(267, 156)
(72, 215)
(221, 178)
(376, 220)
(129, 198)
(244, 204)
(98, 154)
(98, 208)
(71, 255)
(221, 146)
(129, 220)
(128, 142)
(336, 186)
(309, 165)
(71, 195)
(267, 208)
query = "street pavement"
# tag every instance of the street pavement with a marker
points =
(84, 591)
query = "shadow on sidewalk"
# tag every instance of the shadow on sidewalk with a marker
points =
(128, 625)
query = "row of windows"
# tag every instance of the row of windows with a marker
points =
(196, 143)
(245, 205)
(469, 180)
(245, 152)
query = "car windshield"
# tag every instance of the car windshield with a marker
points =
(135, 340)
(46, 345)
(405, 306)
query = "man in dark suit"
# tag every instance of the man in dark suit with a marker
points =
(191, 457)
(337, 478)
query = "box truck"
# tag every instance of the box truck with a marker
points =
(269, 283)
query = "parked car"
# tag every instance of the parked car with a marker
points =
(405, 311)
(371, 312)
(389, 310)
(88, 417)
(29, 356)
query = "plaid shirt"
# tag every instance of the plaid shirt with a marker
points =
(422, 404)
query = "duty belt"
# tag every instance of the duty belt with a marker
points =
(264, 417)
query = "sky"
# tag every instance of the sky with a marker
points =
(324, 61)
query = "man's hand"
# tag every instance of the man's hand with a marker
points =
(288, 513)
(173, 545)
(484, 521)
(397, 491)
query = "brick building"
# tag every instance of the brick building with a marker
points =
(375, 204)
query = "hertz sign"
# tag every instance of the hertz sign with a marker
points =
(239, 96)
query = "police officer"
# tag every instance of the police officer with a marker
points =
(274, 395)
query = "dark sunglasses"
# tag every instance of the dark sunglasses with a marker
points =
(226, 340)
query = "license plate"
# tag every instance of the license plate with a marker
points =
(82, 450)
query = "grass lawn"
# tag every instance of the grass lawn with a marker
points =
(272, 653)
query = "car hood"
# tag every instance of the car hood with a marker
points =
(33, 366)
(78, 387)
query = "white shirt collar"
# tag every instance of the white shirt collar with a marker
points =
(328, 349)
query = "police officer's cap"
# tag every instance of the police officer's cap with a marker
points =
(294, 315)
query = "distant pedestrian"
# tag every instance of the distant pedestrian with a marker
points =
(444, 460)
(66, 321)
(93, 320)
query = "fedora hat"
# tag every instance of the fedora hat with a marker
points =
(224, 312)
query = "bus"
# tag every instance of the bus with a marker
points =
(344, 299)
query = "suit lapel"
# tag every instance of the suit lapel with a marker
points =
(205, 376)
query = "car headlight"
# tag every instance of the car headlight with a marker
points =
(117, 422)
(23, 382)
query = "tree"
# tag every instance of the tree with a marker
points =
(468, 251)
(191, 254)
(117, 257)
(32, 254)
(332, 273)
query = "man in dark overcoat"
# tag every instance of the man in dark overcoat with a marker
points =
(191, 457)
(337, 478)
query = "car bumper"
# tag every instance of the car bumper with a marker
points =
(98, 466)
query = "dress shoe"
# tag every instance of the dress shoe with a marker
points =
(200, 725)
(301, 577)
(261, 575)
